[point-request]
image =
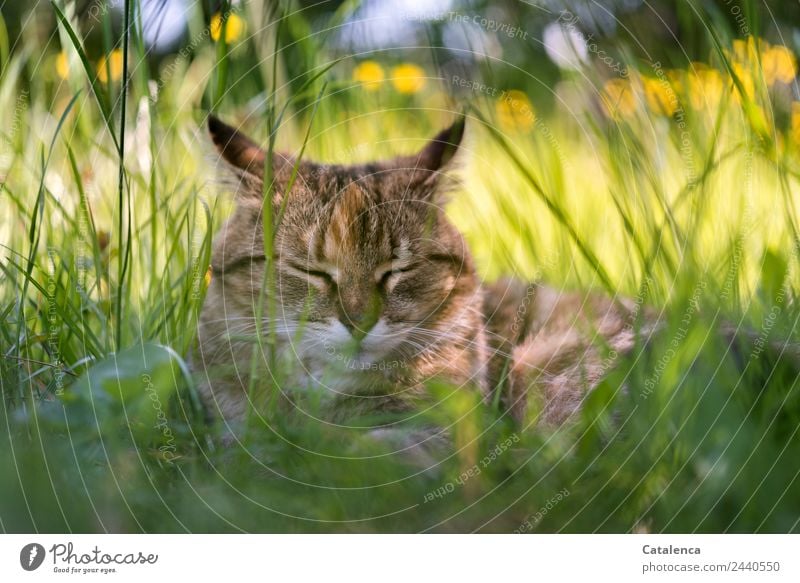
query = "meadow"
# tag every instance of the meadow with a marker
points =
(674, 183)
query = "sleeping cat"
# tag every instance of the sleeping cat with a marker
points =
(376, 294)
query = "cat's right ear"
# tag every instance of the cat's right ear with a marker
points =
(237, 149)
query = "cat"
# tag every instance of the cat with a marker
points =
(376, 293)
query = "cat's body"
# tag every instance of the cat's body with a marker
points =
(375, 294)
(549, 348)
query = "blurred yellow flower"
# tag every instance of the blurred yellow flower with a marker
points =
(207, 277)
(234, 27)
(661, 97)
(705, 86)
(744, 63)
(618, 99)
(676, 80)
(515, 111)
(62, 65)
(408, 78)
(778, 64)
(745, 50)
(111, 64)
(747, 84)
(795, 129)
(370, 74)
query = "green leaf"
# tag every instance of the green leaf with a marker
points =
(773, 274)
(129, 391)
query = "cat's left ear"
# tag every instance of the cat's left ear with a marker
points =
(236, 148)
(439, 152)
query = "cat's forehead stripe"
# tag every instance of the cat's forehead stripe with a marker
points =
(354, 225)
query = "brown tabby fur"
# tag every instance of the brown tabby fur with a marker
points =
(376, 294)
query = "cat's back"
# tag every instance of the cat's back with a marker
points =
(550, 347)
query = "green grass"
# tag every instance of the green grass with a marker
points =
(102, 281)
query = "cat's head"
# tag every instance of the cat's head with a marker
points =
(363, 254)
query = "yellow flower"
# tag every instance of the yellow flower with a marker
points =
(408, 78)
(112, 64)
(705, 87)
(743, 60)
(207, 277)
(778, 64)
(746, 79)
(618, 99)
(369, 74)
(795, 133)
(515, 111)
(745, 50)
(62, 65)
(234, 27)
(661, 98)
(676, 80)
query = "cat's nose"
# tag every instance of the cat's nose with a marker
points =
(359, 313)
(358, 327)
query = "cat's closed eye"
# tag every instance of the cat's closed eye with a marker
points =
(388, 274)
(235, 265)
(313, 274)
